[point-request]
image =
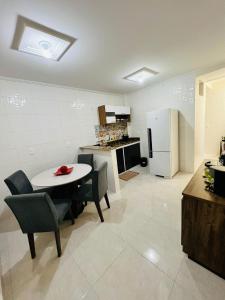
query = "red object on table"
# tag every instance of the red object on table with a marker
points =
(63, 170)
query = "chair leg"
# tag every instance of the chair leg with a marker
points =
(31, 244)
(71, 216)
(97, 204)
(58, 243)
(107, 200)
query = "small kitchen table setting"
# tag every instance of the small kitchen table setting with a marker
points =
(64, 181)
(50, 177)
(62, 193)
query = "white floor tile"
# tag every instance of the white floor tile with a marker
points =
(160, 245)
(202, 283)
(180, 293)
(134, 254)
(132, 277)
(98, 252)
(91, 295)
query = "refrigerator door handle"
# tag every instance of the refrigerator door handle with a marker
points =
(150, 143)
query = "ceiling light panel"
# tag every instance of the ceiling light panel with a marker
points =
(34, 38)
(141, 75)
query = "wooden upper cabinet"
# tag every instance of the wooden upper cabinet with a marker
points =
(109, 114)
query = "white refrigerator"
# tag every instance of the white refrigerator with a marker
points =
(162, 128)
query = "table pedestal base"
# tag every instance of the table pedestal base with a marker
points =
(69, 191)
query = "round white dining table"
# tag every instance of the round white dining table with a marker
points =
(48, 179)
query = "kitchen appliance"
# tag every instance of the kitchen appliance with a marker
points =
(162, 128)
(125, 137)
(222, 151)
(219, 180)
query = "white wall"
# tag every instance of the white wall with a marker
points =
(199, 150)
(214, 119)
(177, 93)
(48, 129)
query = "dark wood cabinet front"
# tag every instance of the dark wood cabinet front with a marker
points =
(120, 160)
(132, 156)
(203, 225)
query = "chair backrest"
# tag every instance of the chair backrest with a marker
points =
(18, 183)
(86, 159)
(100, 182)
(34, 212)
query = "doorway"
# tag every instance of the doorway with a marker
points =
(209, 115)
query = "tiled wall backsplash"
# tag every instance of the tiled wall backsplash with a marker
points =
(42, 126)
(110, 132)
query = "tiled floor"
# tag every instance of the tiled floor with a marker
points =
(135, 255)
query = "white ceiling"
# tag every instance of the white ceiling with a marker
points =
(115, 38)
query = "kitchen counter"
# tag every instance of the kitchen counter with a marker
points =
(114, 153)
(113, 145)
(96, 147)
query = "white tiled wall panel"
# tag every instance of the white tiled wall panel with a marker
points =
(177, 93)
(43, 126)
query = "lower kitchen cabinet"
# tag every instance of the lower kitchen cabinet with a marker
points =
(132, 156)
(128, 157)
(120, 160)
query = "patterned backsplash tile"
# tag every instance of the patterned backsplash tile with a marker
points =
(110, 132)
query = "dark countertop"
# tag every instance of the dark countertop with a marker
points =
(113, 144)
(196, 189)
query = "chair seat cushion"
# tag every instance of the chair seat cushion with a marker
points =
(48, 190)
(62, 206)
(85, 192)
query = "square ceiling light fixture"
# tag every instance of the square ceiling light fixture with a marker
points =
(141, 75)
(34, 38)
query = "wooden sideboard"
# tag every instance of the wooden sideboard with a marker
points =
(203, 225)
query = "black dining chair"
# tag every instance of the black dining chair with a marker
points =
(96, 190)
(86, 159)
(89, 160)
(18, 183)
(36, 211)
